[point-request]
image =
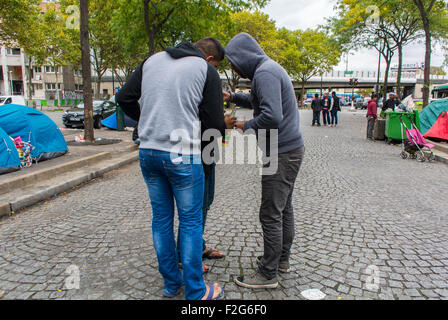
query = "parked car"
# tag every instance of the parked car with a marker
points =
(359, 104)
(4, 100)
(101, 110)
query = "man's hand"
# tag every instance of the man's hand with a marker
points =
(226, 96)
(240, 125)
(230, 122)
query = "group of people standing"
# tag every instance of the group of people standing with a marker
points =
(329, 107)
(178, 92)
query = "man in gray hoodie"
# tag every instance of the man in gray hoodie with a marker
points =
(275, 108)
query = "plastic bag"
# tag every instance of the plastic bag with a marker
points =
(409, 104)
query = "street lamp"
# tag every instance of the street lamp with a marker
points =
(10, 79)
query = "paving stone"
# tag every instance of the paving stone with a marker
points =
(338, 237)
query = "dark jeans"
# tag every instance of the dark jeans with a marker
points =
(276, 212)
(316, 117)
(209, 196)
(370, 127)
(334, 117)
(179, 181)
(326, 116)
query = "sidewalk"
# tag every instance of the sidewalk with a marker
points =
(81, 164)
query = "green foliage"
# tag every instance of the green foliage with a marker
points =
(17, 20)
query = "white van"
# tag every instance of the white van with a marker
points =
(4, 100)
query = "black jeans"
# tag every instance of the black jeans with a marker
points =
(326, 116)
(316, 117)
(277, 213)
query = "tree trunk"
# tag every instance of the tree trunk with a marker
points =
(30, 78)
(302, 95)
(148, 28)
(427, 72)
(426, 26)
(400, 68)
(386, 79)
(57, 85)
(86, 72)
(99, 77)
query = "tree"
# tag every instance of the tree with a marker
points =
(308, 53)
(260, 27)
(16, 17)
(160, 23)
(86, 72)
(58, 45)
(386, 26)
(433, 14)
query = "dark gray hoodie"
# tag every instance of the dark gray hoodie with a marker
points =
(272, 96)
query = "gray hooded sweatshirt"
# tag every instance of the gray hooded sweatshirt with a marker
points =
(272, 95)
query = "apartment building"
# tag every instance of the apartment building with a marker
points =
(12, 71)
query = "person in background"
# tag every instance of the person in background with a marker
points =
(391, 103)
(335, 108)
(316, 105)
(371, 116)
(326, 102)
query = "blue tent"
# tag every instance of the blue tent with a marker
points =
(431, 113)
(35, 128)
(9, 158)
(111, 122)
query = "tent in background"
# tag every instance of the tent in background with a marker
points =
(439, 131)
(35, 128)
(111, 122)
(9, 158)
(429, 115)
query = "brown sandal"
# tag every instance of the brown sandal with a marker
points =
(212, 254)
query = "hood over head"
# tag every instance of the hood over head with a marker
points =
(184, 49)
(245, 54)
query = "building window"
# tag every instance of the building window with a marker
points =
(49, 69)
(38, 86)
(15, 51)
(78, 87)
(37, 69)
(50, 86)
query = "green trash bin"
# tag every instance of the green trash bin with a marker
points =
(393, 123)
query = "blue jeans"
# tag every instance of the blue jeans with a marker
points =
(334, 117)
(209, 196)
(181, 181)
(326, 116)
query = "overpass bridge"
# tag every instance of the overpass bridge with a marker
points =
(410, 81)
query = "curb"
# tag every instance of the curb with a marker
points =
(28, 179)
(49, 192)
(441, 159)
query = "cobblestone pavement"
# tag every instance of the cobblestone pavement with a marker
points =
(369, 225)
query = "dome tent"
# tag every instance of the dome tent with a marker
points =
(431, 113)
(9, 158)
(34, 127)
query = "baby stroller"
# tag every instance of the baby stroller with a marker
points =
(415, 145)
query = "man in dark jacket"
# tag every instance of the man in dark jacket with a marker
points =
(335, 108)
(275, 108)
(180, 95)
(326, 104)
(316, 105)
(391, 103)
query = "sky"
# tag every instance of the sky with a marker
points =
(303, 14)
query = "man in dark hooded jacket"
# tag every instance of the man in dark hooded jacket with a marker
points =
(275, 108)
